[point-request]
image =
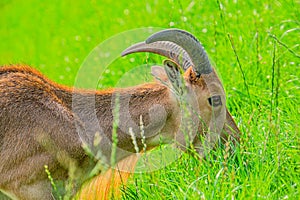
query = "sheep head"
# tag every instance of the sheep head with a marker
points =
(195, 84)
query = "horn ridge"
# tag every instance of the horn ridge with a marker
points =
(164, 48)
(189, 43)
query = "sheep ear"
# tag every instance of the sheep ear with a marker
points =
(159, 73)
(174, 75)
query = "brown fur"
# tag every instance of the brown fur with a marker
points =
(106, 185)
(38, 126)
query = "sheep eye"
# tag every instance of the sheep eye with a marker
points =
(215, 101)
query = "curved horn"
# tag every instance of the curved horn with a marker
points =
(164, 48)
(189, 43)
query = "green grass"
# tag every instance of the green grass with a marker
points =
(255, 48)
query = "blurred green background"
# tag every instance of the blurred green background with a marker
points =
(56, 36)
(254, 46)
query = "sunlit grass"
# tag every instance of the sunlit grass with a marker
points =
(255, 48)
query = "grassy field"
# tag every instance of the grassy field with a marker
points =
(255, 47)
